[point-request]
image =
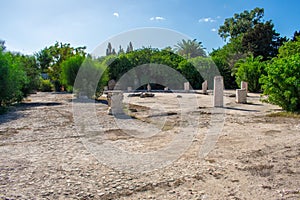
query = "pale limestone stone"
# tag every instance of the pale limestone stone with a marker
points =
(218, 91)
(241, 96)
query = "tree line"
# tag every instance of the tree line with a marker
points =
(254, 52)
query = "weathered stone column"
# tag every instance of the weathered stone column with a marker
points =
(218, 91)
(117, 103)
(148, 87)
(244, 85)
(186, 86)
(241, 96)
(204, 87)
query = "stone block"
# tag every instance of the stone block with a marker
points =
(244, 85)
(241, 96)
(218, 91)
(204, 87)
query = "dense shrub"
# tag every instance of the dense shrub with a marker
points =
(12, 79)
(46, 86)
(250, 70)
(282, 84)
(70, 69)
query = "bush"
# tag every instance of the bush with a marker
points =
(12, 79)
(282, 83)
(250, 70)
(46, 86)
(70, 69)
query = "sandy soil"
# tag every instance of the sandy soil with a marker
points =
(46, 154)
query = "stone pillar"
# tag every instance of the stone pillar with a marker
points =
(186, 86)
(218, 91)
(117, 103)
(109, 111)
(241, 96)
(204, 87)
(105, 88)
(148, 87)
(244, 85)
(129, 89)
(111, 84)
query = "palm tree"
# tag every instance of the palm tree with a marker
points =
(190, 48)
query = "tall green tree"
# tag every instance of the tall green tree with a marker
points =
(241, 23)
(262, 40)
(258, 37)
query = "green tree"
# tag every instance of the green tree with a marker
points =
(190, 49)
(87, 79)
(262, 40)
(30, 67)
(290, 48)
(12, 79)
(129, 47)
(257, 37)
(296, 34)
(2, 45)
(241, 23)
(226, 57)
(50, 59)
(250, 70)
(70, 68)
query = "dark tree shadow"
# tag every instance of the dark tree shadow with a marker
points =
(14, 112)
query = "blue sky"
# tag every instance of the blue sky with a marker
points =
(30, 25)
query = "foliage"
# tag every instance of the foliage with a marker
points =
(241, 23)
(70, 68)
(190, 49)
(202, 69)
(155, 60)
(250, 70)
(296, 35)
(226, 57)
(2, 45)
(282, 82)
(290, 48)
(46, 85)
(12, 79)
(51, 58)
(262, 40)
(249, 34)
(30, 67)
(225, 70)
(91, 77)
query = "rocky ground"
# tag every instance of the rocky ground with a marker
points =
(50, 149)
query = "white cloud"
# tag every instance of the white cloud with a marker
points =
(214, 30)
(157, 18)
(116, 14)
(208, 19)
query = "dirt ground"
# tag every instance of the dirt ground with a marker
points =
(44, 155)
